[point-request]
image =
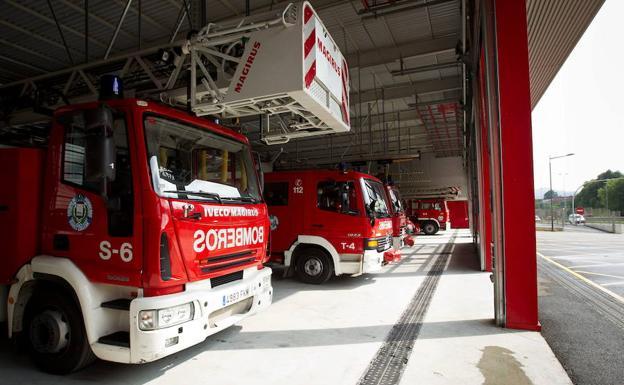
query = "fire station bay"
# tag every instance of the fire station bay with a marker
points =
(277, 192)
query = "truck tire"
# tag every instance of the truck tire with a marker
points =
(313, 266)
(55, 333)
(430, 228)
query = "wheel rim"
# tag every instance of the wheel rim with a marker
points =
(49, 332)
(313, 267)
(429, 228)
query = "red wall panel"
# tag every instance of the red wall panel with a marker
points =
(458, 212)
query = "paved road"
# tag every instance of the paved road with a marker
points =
(596, 255)
(581, 282)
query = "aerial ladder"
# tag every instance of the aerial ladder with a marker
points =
(285, 68)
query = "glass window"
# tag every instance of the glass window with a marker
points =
(339, 197)
(77, 139)
(395, 197)
(375, 198)
(276, 193)
(193, 163)
(76, 160)
(436, 206)
(74, 151)
(425, 206)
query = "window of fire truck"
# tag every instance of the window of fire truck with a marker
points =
(396, 200)
(276, 193)
(374, 193)
(119, 197)
(185, 159)
(339, 197)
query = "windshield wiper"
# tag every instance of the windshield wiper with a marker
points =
(202, 194)
(241, 199)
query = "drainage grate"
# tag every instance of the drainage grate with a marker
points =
(387, 367)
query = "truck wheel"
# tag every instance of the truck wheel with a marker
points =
(430, 228)
(313, 266)
(55, 334)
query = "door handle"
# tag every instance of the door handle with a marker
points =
(317, 225)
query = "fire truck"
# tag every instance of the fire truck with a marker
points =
(400, 237)
(139, 230)
(328, 222)
(432, 214)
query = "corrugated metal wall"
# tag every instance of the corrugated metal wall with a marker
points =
(554, 28)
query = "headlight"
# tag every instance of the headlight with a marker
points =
(441, 218)
(371, 243)
(163, 318)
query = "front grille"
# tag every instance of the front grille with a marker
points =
(384, 243)
(222, 280)
(222, 262)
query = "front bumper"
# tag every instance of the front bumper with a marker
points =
(373, 260)
(212, 313)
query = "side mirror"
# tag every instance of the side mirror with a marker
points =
(258, 164)
(371, 211)
(100, 148)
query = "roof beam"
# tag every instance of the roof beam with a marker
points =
(97, 18)
(402, 115)
(392, 53)
(405, 90)
(135, 10)
(49, 20)
(30, 52)
(33, 35)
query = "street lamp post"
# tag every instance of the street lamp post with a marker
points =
(552, 214)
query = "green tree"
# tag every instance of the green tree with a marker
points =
(615, 188)
(589, 197)
(550, 194)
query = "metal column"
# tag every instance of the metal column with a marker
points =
(514, 192)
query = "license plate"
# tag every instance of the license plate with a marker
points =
(235, 296)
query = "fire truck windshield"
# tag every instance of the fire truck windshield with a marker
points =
(375, 198)
(192, 163)
(396, 200)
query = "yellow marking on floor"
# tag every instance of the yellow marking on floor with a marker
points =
(604, 275)
(597, 265)
(577, 275)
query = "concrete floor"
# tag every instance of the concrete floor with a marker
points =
(582, 323)
(330, 334)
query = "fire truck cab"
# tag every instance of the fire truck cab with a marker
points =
(139, 231)
(432, 214)
(328, 222)
(400, 237)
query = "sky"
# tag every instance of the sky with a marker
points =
(582, 111)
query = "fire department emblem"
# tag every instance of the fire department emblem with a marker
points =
(79, 212)
(274, 222)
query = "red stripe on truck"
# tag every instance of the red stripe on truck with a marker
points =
(310, 75)
(307, 14)
(345, 94)
(309, 43)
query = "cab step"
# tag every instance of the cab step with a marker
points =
(118, 304)
(121, 339)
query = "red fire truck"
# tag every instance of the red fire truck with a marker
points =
(137, 233)
(399, 219)
(431, 214)
(328, 222)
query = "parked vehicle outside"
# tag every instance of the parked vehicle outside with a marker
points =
(576, 219)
